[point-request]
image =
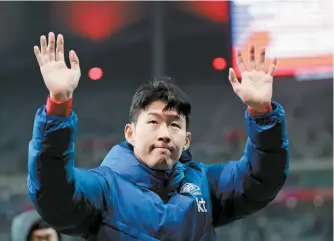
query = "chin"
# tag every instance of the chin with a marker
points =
(162, 164)
(159, 160)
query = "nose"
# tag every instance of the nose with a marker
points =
(165, 139)
(164, 135)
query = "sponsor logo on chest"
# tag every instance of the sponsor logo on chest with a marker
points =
(194, 190)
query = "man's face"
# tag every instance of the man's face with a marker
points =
(45, 234)
(158, 137)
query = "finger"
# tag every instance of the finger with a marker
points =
(43, 45)
(252, 63)
(240, 61)
(38, 56)
(273, 67)
(234, 80)
(51, 46)
(262, 62)
(60, 48)
(74, 60)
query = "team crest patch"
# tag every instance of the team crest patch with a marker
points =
(191, 189)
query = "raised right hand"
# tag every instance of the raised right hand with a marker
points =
(60, 80)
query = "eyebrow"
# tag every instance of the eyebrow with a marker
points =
(43, 236)
(176, 117)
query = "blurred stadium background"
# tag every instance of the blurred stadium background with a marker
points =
(124, 44)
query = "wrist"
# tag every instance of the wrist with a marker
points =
(60, 98)
(261, 110)
(61, 108)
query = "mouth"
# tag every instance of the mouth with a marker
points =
(162, 148)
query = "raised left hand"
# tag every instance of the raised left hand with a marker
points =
(256, 86)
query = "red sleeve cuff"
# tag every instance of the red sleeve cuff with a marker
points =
(59, 108)
(253, 112)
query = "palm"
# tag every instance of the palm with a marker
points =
(255, 89)
(60, 80)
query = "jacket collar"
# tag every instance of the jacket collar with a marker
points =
(122, 160)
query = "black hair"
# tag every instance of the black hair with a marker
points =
(41, 224)
(162, 89)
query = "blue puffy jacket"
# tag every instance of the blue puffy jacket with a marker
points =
(123, 199)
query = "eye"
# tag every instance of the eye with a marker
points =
(176, 125)
(152, 122)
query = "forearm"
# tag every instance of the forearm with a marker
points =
(51, 161)
(51, 153)
(56, 187)
(240, 188)
(267, 148)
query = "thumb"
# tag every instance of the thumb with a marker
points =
(233, 79)
(74, 60)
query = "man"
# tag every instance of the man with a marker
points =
(148, 187)
(29, 226)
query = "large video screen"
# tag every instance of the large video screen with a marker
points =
(298, 33)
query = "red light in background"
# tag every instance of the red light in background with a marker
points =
(219, 63)
(216, 11)
(98, 20)
(95, 73)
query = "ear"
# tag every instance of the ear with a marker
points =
(187, 141)
(129, 133)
